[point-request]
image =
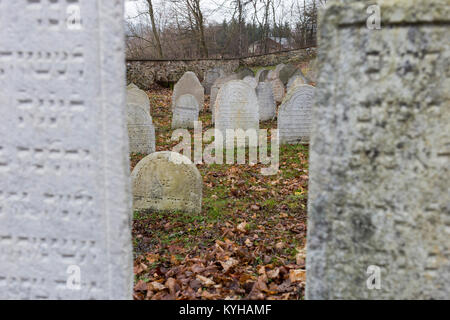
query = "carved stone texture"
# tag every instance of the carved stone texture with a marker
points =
(185, 112)
(380, 153)
(65, 205)
(236, 108)
(295, 115)
(215, 90)
(266, 101)
(278, 90)
(251, 81)
(141, 132)
(167, 181)
(189, 84)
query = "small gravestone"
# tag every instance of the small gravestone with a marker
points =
(379, 204)
(141, 132)
(64, 172)
(271, 75)
(278, 90)
(138, 97)
(236, 107)
(251, 81)
(245, 72)
(167, 181)
(185, 112)
(295, 115)
(210, 77)
(266, 101)
(286, 72)
(261, 75)
(189, 84)
(215, 90)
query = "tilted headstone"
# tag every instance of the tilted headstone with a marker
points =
(210, 77)
(141, 132)
(167, 181)
(286, 72)
(251, 81)
(138, 97)
(215, 90)
(185, 112)
(278, 90)
(236, 107)
(295, 115)
(65, 206)
(266, 101)
(189, 84)
(379, 213)
(245, 72)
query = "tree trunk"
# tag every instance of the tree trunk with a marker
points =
(155, 31)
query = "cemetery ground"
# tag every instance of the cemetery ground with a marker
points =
(247, 243)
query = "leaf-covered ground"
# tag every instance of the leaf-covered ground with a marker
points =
(247, 243)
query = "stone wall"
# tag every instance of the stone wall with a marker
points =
(144, 73)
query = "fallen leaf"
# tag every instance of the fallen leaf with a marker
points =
(297, 275)
(205, 281)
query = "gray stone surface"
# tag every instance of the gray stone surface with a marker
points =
(311, 75)
(167, 181)
(295, 115)
(278, 90)
(296, 80)
(286, 72)
(65, 205)
(141, 132)
(185, 112)
(251, 81)
(189, 84)
(138, 97)
(245, 72)
(266, 101)
(211, 76)
(236, 107)
(379, 169)
(215, 90)
(261, 75)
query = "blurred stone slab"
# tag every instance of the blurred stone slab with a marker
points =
(189, 84)
(185, 112)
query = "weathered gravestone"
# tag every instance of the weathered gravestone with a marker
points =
(65, 206)
(236, 108)
(138, 97)
(215, 90)
(261, 75)
(189, 84)
(311, 75)
(266, 101)
(251, 81)
(296, 80)
(141, 132)
(245, 72)
(379, 204)
(286, 72)
(185, 112)
(295, 115)
(278, 90)
(167, 181)
(211, 76)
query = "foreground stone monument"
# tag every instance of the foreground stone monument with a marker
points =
(266, 101)
(167, 181)
(64, 192)
(141, 132)
(295, 115)
(189, 84)
(236, 108)
(379, 213)
(185, 112)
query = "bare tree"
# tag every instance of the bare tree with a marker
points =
(154, 29)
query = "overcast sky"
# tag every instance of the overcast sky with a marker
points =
(214, 10)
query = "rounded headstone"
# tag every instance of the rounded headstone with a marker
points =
(167, 181)
(236, 107)
(138, 97)
(295, 115)
(286, 72)
(266, 101)
(215, 90)
(141, 132)
(245, 72)
(189, 84)
(185, 112)
(251, 81)
(278, 90)
(261, 75)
